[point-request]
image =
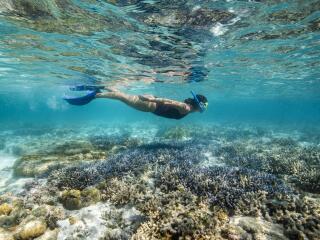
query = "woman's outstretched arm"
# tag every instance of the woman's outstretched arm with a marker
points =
(151, 98)
(181, 106)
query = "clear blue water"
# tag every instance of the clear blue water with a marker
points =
(256, 61)
(247, 168)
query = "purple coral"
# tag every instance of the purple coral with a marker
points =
(182, 162)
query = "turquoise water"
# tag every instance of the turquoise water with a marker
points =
(246, 168)
(260, 61)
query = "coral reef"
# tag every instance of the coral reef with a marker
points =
(169, 176)
(279, 156)
(76, 199)
(5, 235)
(100, 221)
(175, 133)
(252, 228)
(5, 209)
(187, 183)
(180, 158)
(86, 223)
(115, 143)
(49, 235)
(71, 199)
(31, 230)
(299, 215)
(135, 160)
(58, 155)
(174, 214)
(24, 219)
(14, 213)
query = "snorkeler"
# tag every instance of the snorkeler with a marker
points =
(147, 103)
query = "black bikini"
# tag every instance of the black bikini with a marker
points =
(168, 112)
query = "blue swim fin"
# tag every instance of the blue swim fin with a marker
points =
(79, 101)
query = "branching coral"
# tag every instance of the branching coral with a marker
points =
(60, 155)
(135, 160)
(174, 193)
(166, 182)
(281, 157)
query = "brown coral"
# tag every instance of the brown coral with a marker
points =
(5, 209)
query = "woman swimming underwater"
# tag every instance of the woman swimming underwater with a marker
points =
(147, 103)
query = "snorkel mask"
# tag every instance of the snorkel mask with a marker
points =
(202, 106)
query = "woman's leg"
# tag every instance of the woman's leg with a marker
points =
(131, 100)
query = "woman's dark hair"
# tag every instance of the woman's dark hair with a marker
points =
(193, 103)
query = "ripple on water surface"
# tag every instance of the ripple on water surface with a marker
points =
(242, 48)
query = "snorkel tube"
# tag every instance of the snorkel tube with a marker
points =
(201, 105)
